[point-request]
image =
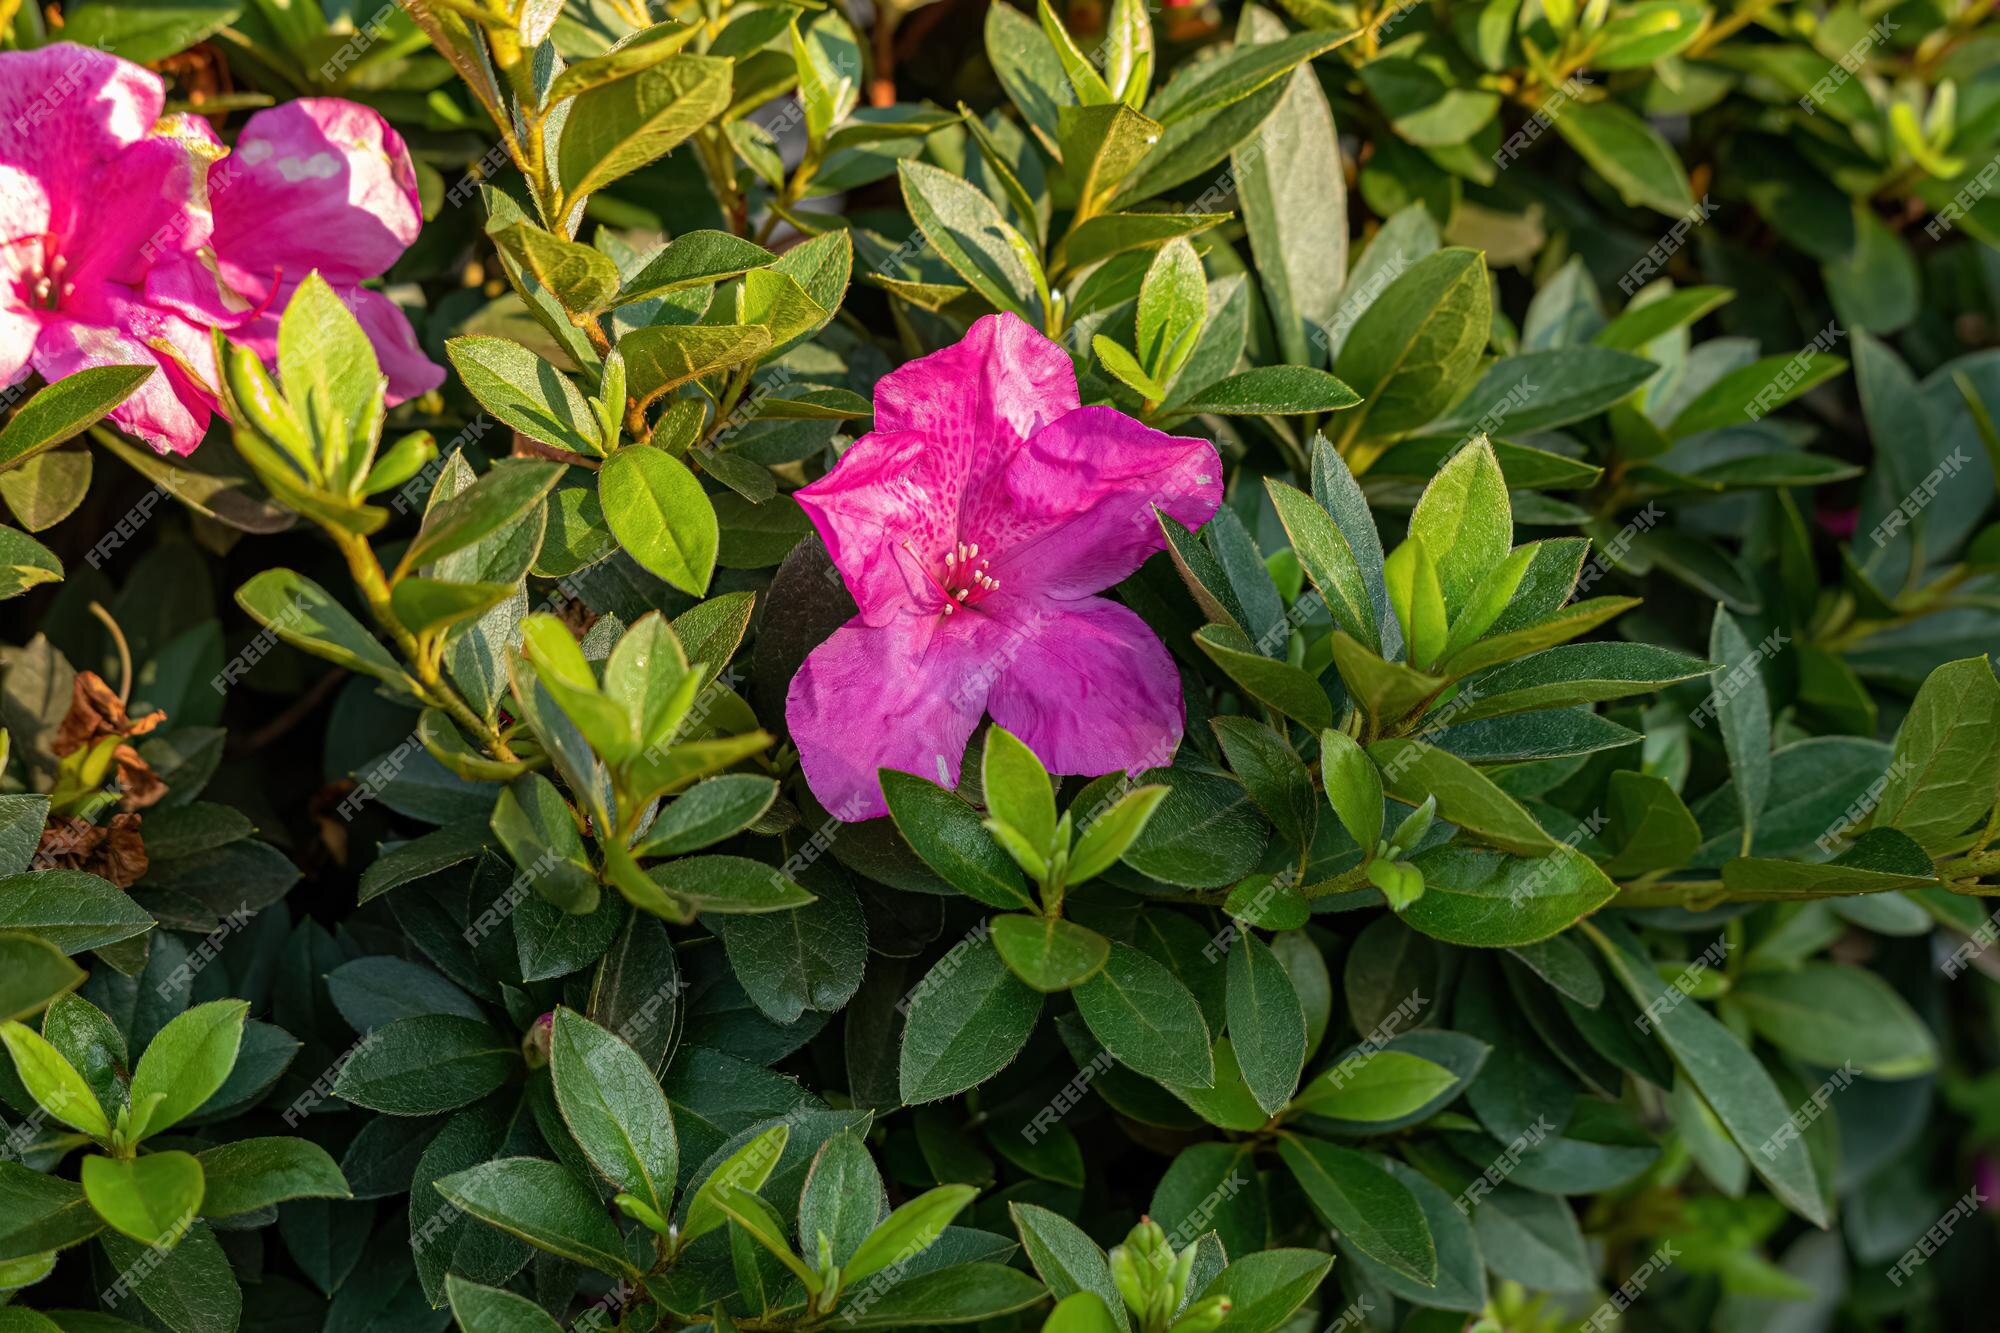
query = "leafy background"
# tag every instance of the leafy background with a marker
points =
(1588, 774)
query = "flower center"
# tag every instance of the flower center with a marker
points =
(43, 277)
(962, 581)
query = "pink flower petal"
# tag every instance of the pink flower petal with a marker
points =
(168, 411)
(1089, 688)
(984, 394)
(410, 372)
(888, 489)
(317, 183)
(149, 214)
(66, 112)
(905, 695)
(1072, 512)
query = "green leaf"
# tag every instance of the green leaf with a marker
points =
(430, 606)
(305, 615)
(1047, 952)
(842, 1198)
(1080, 1312)
(1100, 144)
(246, 1175)
(694, 259)
(615, 1109)
(1492, 900)
(1110, 234)
(1273, 774)
(1465, 796)
(947, 834)
(1729, 1077)
(538, 829)
(1122, 366)
(1067, 1260)
(1267, 1026)
(1417, 594)
(152, 1199)
(660, 515)
(1881, 860)
(1946, 769)
(1629, 153)
(1288, 689)
(71, 909)
(662, 357)
(32, 973)
(707, 813)
(1328, 560)
(1353, 1193)
(908, 1231)
(960, 1294)
(966, 1020)
(1641, 324)
(25, 563)
(729, 884)
(1464, 521)
(53, 1081)
(41, 1213)
(968, 231)
(1752, 392)
(192, 1289)
(480, 1309)
(188, 1060)
(1742, 708)
(642, 49)
(1017, 788)
(1173, 304)
(1416, 347)
(329, 371)
(1272, 391)
(829, 68)
(1147, 1019)
(524, 391)
(1108, 834)
(745, 1169)
(1353, 787)
(499, 499)
(427, 1064)
(1576, 673)
(1241, 71)
(1091, 90)
(1291, 189)
(1539, 390)
(582, 278)
(59, 411)
(615, 128)
(1835, 1015)
(1651, 826)
(544, 1204)
(1374, 1086)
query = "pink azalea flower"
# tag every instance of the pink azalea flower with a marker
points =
(124, 238)
(315, 184)
(90, 200)
(972, 527)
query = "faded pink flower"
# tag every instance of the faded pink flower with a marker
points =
(90, 200)
(125, 238)
(317, 184)
(972, 527)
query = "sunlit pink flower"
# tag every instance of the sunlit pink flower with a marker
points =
(972, 527)
(317, 184)
(90, 201)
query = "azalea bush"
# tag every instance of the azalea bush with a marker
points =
(1093, 668)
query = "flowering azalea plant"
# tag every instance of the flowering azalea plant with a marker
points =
(973, 528)
(1039, 666)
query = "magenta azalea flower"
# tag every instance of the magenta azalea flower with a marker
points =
(124, 239)
(318, 184)
(90, 200)
(973, 526)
